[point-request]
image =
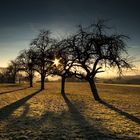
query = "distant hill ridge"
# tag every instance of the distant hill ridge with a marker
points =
(131, 79)
(2, 68)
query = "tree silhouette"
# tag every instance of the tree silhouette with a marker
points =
(63, 61)
(40, 45)
(94, 49)
(11, 71)
(84, 54)
(26, 61)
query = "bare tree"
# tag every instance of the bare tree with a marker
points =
(12, 70)
(26, 61)
(62, 61)
(5, 76)
(40, 45)
(94, 49)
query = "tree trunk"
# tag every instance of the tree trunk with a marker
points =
(42, 82)
(14, 76)
(63, 85)
(14, 79)
(94, 89)
(31, 80)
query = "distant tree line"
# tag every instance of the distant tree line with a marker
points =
(82, 55)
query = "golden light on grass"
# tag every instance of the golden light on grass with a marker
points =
(56, 62)
(105, 118)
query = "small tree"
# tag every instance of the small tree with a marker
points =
(40, 45)
(26, 61)
(11, 71)
(95, 49)
(62, 61)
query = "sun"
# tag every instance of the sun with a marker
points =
(56, 62)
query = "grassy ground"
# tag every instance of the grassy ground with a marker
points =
(30, 114)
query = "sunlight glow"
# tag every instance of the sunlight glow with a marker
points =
(56, 62)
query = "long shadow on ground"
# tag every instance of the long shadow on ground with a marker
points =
(52, 125)
(13, 90)
(6, 111)
(90, 132)
(127, 115)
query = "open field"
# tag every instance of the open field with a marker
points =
(27, 113)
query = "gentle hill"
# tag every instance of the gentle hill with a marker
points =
(131, 79)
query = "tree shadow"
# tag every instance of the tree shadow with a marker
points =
(5, 92)
(25, 110)
(6, 111)
(123, 113)
(90, 132)
(68, 124)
